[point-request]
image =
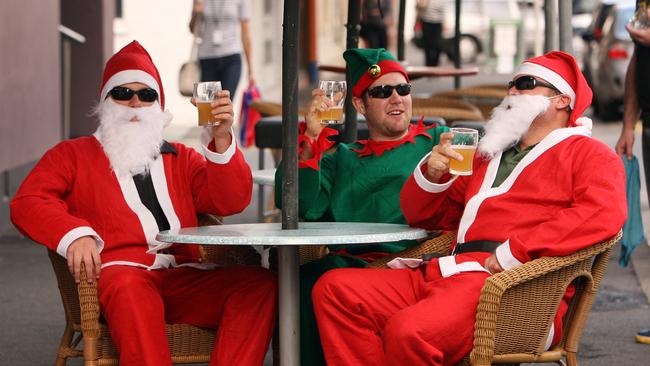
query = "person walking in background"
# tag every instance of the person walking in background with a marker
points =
(223, 26)
(432, 14)
(637, 102)
(377, 26)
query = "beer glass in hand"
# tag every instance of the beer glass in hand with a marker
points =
(463, 142)
(204, 94)
(335, 92)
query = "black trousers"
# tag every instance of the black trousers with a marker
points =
(645, 148)
(432, 42)
(226, 69)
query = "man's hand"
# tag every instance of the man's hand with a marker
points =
(84, 250)
(438, 163)
(640, 35)
(625, 143)
(223, 113)
(492, 264)
(318, 103)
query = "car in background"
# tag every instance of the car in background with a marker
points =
(607, 52)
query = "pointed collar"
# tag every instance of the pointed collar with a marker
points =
(377, 148)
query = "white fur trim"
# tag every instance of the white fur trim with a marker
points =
(486, 191)
(529, 68)
(215, 157)
(549, 339)
(426, 184)
(449, 267)
(129, 76)
(75, 234)
(505, 257)
(586, 122)
(146, 218)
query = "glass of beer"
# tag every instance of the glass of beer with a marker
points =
(464, 142)
(204, 94)
(334, 91)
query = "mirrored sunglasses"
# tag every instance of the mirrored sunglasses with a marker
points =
(385, 91)
(123, 93)
(528, 83)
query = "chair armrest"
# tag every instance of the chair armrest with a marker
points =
(89, 305)
(527, 298)
(440, 244)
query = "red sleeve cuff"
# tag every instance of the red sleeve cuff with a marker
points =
(318, 146)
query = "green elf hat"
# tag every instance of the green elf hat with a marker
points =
(367, 64)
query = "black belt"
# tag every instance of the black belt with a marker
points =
(486, 246)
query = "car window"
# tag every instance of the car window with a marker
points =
(622, 18)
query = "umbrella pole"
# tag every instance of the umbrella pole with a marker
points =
(354, 16)
(288, 288)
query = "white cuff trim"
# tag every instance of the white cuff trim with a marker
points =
(505, 257)
(426, 184)
(448, 266)
(75, 234)
(217, 158)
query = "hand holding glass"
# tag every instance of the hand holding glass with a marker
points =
(204, 94)
(463, 142)
(334, 91)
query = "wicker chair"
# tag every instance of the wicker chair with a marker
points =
(187, 343)
(517, 307)
(450, 109)
(485, 97)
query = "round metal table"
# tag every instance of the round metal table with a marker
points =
(287, 241)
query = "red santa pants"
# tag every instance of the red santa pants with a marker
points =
(239, 302)
(401, 316)
(396, 317)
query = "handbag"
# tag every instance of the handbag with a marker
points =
(190, 72)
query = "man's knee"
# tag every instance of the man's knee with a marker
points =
(330, 284)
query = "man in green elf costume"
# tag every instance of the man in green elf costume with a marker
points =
(361, 181)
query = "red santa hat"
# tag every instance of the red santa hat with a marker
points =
(561, 70)
(131, 64)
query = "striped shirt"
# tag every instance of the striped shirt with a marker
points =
(221, 28)
(433, 11)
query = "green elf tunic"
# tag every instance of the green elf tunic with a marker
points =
(358, 182)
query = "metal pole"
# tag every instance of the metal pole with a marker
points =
(66, 57)
(550, 30)
(566, 29)
(353, 27)
(400, 30)
(457, 45)
(288, 256)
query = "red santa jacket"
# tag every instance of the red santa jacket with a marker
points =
(72, 192)
(566, 194)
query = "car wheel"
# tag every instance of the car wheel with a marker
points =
(470, 48)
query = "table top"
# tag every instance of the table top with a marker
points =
(415, 72)
(308, 233)
(265, 177)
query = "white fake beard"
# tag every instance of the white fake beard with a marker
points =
(510, 121)
(131, 147)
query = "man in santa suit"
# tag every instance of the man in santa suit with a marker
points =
(541, 186)
(101, 199)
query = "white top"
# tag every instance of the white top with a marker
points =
(308, 233)
(221, 28)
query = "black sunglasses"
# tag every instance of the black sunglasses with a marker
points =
(123, 93)
(528, 83)
(385, 91)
